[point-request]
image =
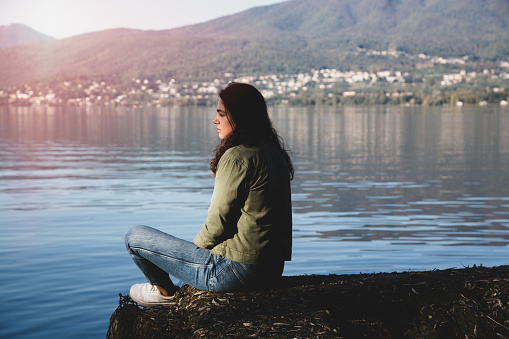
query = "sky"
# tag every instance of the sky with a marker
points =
(64, 18)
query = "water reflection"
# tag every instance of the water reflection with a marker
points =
(376, 189)
(401, 176)
(388, 166)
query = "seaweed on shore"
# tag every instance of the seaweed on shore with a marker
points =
(454, 303)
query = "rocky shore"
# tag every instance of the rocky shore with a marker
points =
(453, 303)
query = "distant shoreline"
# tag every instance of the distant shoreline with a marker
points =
(317, 99)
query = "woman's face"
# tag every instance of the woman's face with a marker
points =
(221, 121)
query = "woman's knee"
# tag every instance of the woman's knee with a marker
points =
(135, 232)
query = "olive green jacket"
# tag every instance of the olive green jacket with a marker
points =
(250, 215)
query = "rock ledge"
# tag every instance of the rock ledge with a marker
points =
(452, 303)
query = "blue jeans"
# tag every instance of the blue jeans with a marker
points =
(159, 255)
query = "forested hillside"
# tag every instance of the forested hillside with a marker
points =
(289, 37)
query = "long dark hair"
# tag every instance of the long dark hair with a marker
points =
(247, 113)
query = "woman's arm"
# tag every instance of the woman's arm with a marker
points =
(230, 192)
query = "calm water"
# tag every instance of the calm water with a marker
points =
(377, 189)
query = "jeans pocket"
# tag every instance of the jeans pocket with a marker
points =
(229, 277)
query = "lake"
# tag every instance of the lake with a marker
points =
(377, 189)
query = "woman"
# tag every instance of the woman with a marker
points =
(247, 235)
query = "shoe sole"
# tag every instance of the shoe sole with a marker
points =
(166, 304)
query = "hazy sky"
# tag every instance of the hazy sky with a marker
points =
(64, 18)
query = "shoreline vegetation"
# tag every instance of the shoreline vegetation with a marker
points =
(452, 303)
(426, 98)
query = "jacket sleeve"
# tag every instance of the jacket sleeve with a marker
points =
(230, 191)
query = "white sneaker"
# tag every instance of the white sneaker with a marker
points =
(148, 295)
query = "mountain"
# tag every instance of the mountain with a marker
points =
(288, 37)
(18, 34)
